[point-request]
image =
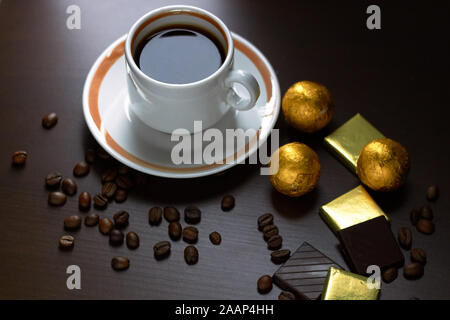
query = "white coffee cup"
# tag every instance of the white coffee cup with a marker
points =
(166, 107)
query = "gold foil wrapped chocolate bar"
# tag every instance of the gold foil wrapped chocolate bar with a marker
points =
(343, 285)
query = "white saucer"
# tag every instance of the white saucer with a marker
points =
(126, 138)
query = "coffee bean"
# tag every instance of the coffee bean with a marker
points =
(120, 195)
(100, 201)
(274, 242)
(50, 120)
(57, 198)
(91, 220)
(227, 203)
(175, 230)
(109, 175)
(432, 193)
(123, 170)
(265, 220)
(190, 234)
(171, 214)
(109, 189)
(69, 187)
(191, 255)
(121, 219)
(425, 226)
(215, 238)
(105, 225)
(389, 275)
(66, 242)
(413, 271)
(161, 250)
(81, 169)
(140, 179)
(53, 179)
(102, 154)
(418, 255)
(19, 158)
(72, 222)
(89, 156)
(286, 295)
(405, 237)
(116, 237)
(414, 216)
(84, 201)
(265, 284)
(192, 214)
(280, 256)
(155, 216)
(426, 213)
(270, 231)
(132, 240)
(120, 263)
(124, 182)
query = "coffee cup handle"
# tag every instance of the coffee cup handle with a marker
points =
(249, 82)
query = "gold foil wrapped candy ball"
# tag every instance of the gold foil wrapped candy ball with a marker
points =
(383, 165)
(307, 106)
(298, 169)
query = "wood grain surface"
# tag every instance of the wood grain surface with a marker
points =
(397, 77)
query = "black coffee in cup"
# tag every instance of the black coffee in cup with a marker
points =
(179, 54)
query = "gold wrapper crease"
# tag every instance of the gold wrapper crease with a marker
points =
(347, 141)
(351, 208)
(344, 285)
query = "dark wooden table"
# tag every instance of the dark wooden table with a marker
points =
(397, 77)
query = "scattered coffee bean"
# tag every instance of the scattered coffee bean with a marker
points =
(89, 156)
(192, 214)
(109, 189)
(120, 263)
(171, 214)
(105, 225)
(418, 255)
(161, 250)
(109, 175)
(57, 198)
(132, 240)
(413, 271)
(120, 195)
(19, 158)
(405, 237)
(270, 231)
(116, 237)
(280, 256)
(124, 182)
(72, 222)
(191, 255)
(53, 179)
(425, 226)
(91, 220)
(123, 170)
(155, 216)
(190, 234)
(274, 242)
(66, 242)
(175, 230)
(432, 193)
(100, 201)
(426, 213)
(227, 203)
(140, 179)
(414, 216)
(265, 220)
(121, 219)
(50, 120)
(84, 201)
(265, 284)
(69, 187)
(102, 154)
(81, 169)
(215, 238)
(286, 295)
(389, 275)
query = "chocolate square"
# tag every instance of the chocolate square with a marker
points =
(304, 273)
(370, 243)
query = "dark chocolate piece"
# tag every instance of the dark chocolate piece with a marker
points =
(304, 273)
(370, 243)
